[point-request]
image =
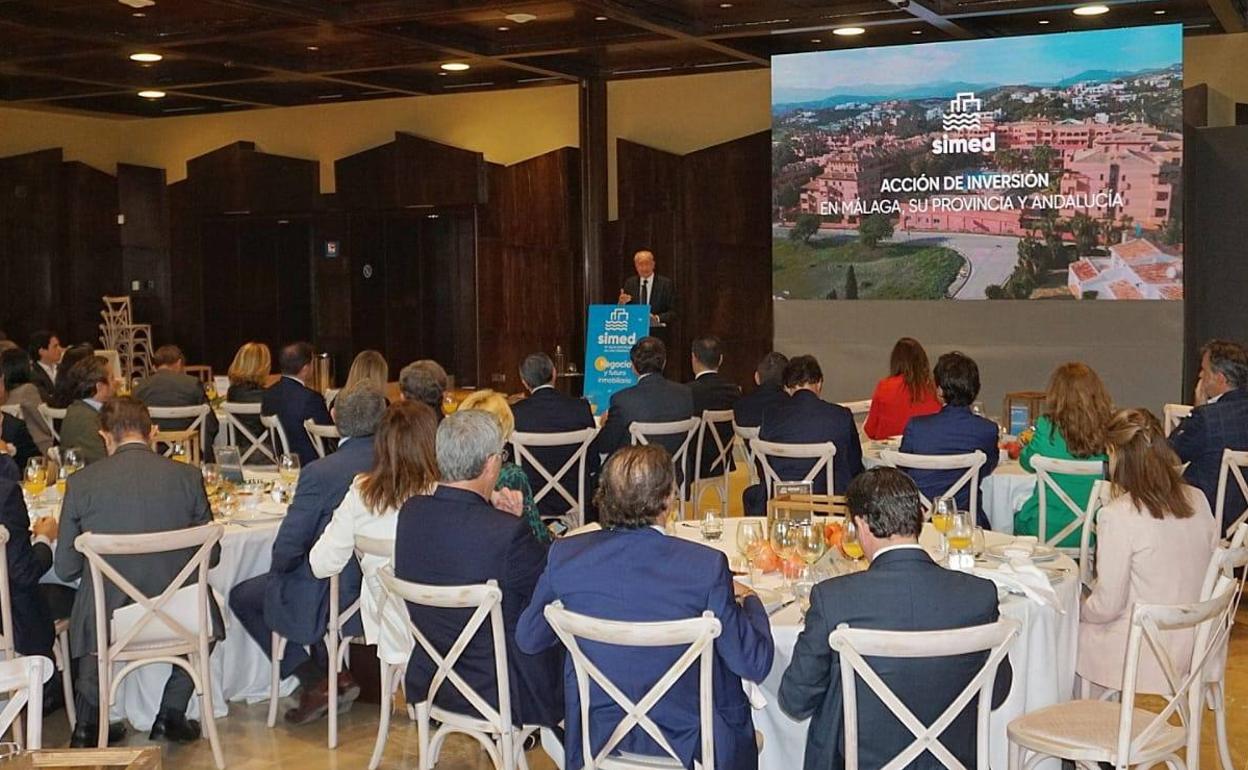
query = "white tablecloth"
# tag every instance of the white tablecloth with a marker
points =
(1043, 659)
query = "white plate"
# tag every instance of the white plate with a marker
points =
(771, 598)
(1041, 553)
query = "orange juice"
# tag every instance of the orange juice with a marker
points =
(960, 542)
(942, 522)
(852, 550)
(60, 487)
(34, 488)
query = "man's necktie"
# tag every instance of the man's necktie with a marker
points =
(645, 292)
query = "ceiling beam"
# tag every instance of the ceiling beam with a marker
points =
(923, 13)
(1228, 15)
(667, 24)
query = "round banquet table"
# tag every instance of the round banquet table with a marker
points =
(1043, 659)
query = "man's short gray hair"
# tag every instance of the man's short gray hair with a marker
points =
(423, 380)
(465, 442)
(358, 410)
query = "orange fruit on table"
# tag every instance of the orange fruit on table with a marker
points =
(766, 559)
(832, 534)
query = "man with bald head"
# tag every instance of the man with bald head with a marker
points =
(650, 288)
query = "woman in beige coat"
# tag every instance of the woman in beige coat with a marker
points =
(1154, 542)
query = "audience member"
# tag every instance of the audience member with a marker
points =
(15, 439)
(953, 430)
(1076, 410)
(293, 401)
(1153, 545)
(712, 391)
(629, 571)
(28, 556)
(653, 399)
(171, 386)
(467, 533)
(65, 391)
(369, 366)
(93, 382)
(805, 418)
(45, 351)
(104, 498)
(424, 381)
(546, 410)
(510, 475)
(1219, 422)
(249, 376)
(902, 590)
(290, 599)
(16, 373)
(404, 465)
(907, 391)
(769, 391)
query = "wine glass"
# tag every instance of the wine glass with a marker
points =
(178, 453)
(961, 539)
(810, 543)
(712, 525)
(784, 543)
(943, 510)
(851, 544)
(36, 477)
(73, 458)
(288, 468)
(749, 539)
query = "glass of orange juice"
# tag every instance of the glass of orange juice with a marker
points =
(36, 479)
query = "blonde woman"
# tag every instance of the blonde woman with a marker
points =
(368, 366)
(512, 476)
(249, 376)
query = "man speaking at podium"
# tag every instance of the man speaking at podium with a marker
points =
(649, 288)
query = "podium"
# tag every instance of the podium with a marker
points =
(610, 333)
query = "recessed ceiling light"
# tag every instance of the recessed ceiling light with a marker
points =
(443, 74)
(314, 48)
(916, 32)
(848, 31)
(152, 94)
(600, 18)
(725, 5)
(1043, 21)
(503, 29)
(138, 14)
(455, 66)
(1159, 13)
(146, 57)
(816, 40)
(520, 18)
(1091, 10)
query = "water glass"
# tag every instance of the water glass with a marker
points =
(178, 453)
(810, 542)
(750, 538)
(961, 538)
(712, 525)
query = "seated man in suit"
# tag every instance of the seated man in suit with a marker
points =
(1219, 421)
(28, 556)
(45, 351)
(714, 392)
(170, 385)
(467, 533)
(424, 381)
(903, 590)
(748, 411)
(653, 399)
(630, 571)
(15, 438)
(805, 418)
(953, 430)
(93, 387)
(289, 599)
(293, 401)
(546, 410)
(650, 288)
(105, 498)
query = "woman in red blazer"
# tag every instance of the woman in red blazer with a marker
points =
(907, 391)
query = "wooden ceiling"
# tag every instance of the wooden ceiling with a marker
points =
(222, 55)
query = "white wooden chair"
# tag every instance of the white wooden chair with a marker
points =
(823, 455)
(1046, 485)
(52, 417)
(338, 647)
(319, 434)
(522, 445)
(1172, 415)
(745, 437)
(21, 682)
(198, 415)
(165, 439)
(697, 635)
(491, 727)
(12, 410)
(713, 421)
(855, 645)
(1233, 464)
(646, 432)
(1227, 560)
(234, 426)
(277, 434)
(970, 463)
(173, 627)
(1091, 731)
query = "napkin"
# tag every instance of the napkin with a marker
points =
(754, 694)
(1021, 575)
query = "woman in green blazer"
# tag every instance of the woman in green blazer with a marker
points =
(1076, 410)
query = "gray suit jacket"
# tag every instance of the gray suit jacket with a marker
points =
(167, 388)
(81, 428)
(134, 491)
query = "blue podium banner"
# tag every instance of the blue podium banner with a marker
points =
(610, 334)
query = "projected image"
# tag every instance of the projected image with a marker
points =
(1043, 167)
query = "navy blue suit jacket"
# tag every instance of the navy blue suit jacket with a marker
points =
(293, 402)
(296, 604)
(904, 590)
(32, 621)
(546, 410)
(749, 409)
(641, 575)
(714, 392)
(653, 399)
(1199, 440)
(951, 431)
(804, 418)
(14, 431)
(455, 537)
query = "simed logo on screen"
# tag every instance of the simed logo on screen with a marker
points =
(964, 115)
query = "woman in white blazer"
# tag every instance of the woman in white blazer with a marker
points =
(405, 465)
(1154, 543)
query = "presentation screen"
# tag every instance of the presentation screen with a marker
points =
(1040, 167)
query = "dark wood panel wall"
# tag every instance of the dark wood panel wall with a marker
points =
(143, 199)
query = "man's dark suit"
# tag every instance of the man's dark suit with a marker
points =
(455, 537)
(42, 382)
(749, 409)
(1199, 440)
(81, 429)
(105, 498)
(804, 418)
(951, 431)
(293, 402)
(289, 599)
(662, 296)
(715, 392)
(32, 622)
(14, 431)
(546, 410)
(169, 388)
(904, 590)
(640, 575)
(653, 399)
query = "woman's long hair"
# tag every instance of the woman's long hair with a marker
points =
(1145, 467)
(369, 366)
(1080, 407)
(909, 361)
(404, 462)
